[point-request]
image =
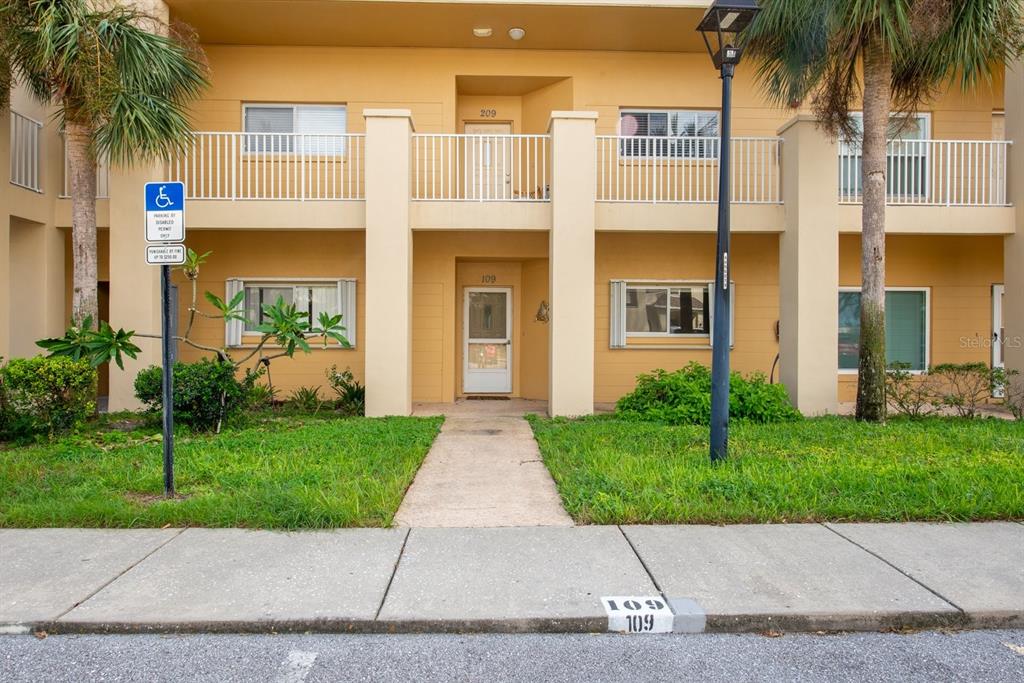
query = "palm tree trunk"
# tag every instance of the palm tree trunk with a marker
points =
(82, 171)
(871, 365)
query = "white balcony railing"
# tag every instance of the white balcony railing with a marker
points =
(933, 172)
(26, 137)
(495, 168)
(271, 166)
(652, 169)
(102, 179)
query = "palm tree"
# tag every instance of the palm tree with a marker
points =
(907, 51)
(119, 80)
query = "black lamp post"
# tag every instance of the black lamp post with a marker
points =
(721, 28)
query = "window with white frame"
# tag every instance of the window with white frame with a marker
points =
(661, 309)
(907, 159)
(669, 133)
(295, 128)
(310, 297)
(906, 327)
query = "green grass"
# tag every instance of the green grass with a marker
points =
(611, 471)
(279, 473)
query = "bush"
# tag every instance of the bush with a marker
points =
(908, 394)
(205, 393)
(306, 399)
(45, 395)
(951, 387)
(351, 394)
(684, 397)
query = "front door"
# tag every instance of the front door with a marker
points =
(488, 161)
(487, 349)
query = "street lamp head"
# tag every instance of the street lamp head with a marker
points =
(722, 27)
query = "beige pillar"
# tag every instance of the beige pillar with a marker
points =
(134, 285)
(571, 263)
(809, 268)
(388, 263)
(1013, 247)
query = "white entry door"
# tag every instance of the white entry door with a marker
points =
(489, 161)
(998, 331)
(487, 331)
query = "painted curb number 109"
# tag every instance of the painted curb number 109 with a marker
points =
(630, 614)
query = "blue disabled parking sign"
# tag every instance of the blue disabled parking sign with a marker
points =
(165, 212)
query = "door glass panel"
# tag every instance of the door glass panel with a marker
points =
(488, 315)
(488, 356)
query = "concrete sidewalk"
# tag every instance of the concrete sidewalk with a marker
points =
(801, 577)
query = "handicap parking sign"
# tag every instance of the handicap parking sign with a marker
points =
(165, 212)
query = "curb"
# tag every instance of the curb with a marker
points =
(715, 623)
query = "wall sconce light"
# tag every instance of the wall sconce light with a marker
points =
(543, 312)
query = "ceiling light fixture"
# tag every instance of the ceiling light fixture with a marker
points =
(516, 33)
(482, 32)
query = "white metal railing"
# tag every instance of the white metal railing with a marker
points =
(458, 167)
(653, 169)
(102, 179)
(933, 172)
(26, 138)
(271, 166)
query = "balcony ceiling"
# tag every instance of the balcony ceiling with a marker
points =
(640, 25)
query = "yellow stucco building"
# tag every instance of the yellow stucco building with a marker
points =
(528, 213)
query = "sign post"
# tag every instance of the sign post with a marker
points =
(165, 225)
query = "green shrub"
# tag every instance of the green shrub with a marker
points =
(205, 393)
(306, 399)
(684, 397)
(45, 395)
(351, 394)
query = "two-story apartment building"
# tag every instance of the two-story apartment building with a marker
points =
(518, 198)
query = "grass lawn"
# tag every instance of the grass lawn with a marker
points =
(280, 473)
(611, 471)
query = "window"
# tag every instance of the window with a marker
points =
(906, 328)
(907, 161)
(319, 127)
(662, 309)
(312, 298)
(673, 310)
(684, 134)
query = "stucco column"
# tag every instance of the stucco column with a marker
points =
(388, 263)
(571, 263)
(1013, 247)
(809, 268)
(134, 285)
(5, 238)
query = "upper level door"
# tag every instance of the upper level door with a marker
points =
(488, 161)
(487, 350)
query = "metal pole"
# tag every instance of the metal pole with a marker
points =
(723, 314)
(168, 381)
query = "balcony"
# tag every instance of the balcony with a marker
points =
(460, 181)
(933, 173)
(271, 166)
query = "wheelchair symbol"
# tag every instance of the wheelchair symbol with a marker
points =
(162, 200)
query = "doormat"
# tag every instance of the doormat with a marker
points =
(487, 398)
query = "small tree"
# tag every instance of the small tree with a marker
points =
(286, 326)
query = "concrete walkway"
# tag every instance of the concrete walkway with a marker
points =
(798, 577)
(484, 470)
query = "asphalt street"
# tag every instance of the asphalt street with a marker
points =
(927, 656)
